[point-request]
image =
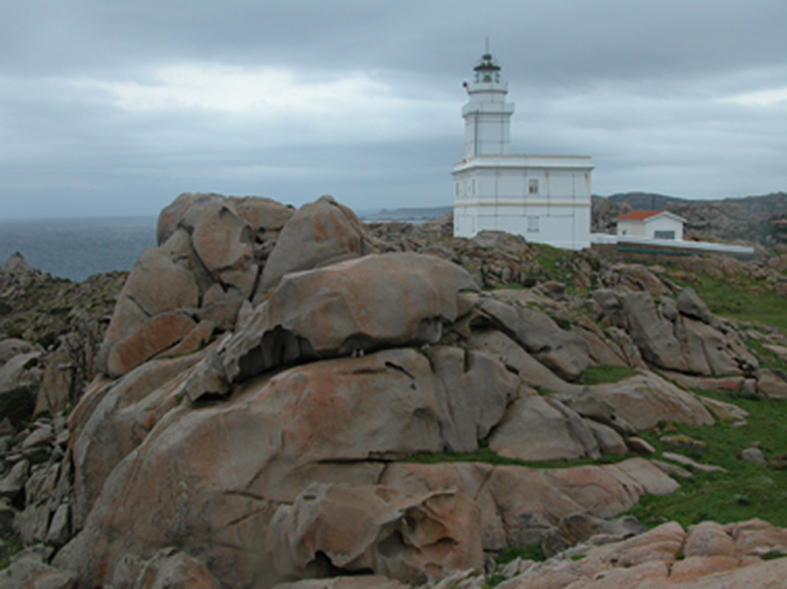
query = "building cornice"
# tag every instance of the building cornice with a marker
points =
(571, 162)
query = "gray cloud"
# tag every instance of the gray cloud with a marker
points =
(115, 108)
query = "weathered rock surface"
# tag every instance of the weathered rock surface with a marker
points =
(538, 428)
(565, 353)
(266, 372)
(679, 340)
(350, 307)
(320, 233)
(707, 556)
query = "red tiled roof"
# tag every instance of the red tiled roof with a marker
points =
(639, 215)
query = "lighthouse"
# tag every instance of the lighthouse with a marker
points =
(545, 198)
(487, 114)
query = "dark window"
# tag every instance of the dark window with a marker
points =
(663, 235)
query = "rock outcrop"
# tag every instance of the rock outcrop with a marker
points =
(277, 392)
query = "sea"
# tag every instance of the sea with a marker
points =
(79, 247)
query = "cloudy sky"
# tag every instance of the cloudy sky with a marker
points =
(114, 107)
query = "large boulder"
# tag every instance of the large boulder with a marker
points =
(645, 399)
(203, 476)
(156, 286)
(112, 426)
(320, 233)
(347, 308)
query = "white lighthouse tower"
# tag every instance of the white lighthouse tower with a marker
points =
(487, 115)
(544, 198)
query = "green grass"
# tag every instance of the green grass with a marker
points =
(747, 490)
(510, 553)
(747, 300)
(767, 358)
(8, 548)
(607, 374)
(486, 455)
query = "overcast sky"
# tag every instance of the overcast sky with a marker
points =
(114, 107)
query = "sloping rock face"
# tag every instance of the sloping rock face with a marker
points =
(269, 384)
(681, 336)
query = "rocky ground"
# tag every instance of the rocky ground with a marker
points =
(296, 399)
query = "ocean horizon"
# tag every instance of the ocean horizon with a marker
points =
(77, 248)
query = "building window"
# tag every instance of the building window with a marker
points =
(532, 187)
(663, 235)
(532, 223)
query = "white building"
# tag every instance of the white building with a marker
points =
(651, 225)
(544, 198)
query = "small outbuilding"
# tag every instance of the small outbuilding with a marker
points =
(651, 225)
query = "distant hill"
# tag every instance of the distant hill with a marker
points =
(406, 214)
(730, 219)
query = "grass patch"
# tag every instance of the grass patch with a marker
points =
(510, 553)
(767, 358)
(486, 455)
(494, 580)
(747, 490)
(8, 548)
(607, 374)
(746, 300)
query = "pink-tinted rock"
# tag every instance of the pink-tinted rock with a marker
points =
(224, 243)
(535, 428)
(520, 504)
(530, 371)
(264, 215)
(181, 212)
(156, 286)
(114, 424)
(565, 353)
(241, 458)
(153, 336)
(346, 308)
(710, 539)
(646, 399)
(170, 569)
(379, 529)
(758, 537)
(771, 384)
(320, 233)
(694, 568)
(659, 544)
(55, 392)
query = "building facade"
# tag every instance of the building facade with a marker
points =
(651, 225)
(544, 198)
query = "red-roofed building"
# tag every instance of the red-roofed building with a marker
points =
(651, 225)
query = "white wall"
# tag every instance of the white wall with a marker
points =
(663, 223)
(648, 227)
(498, 198)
